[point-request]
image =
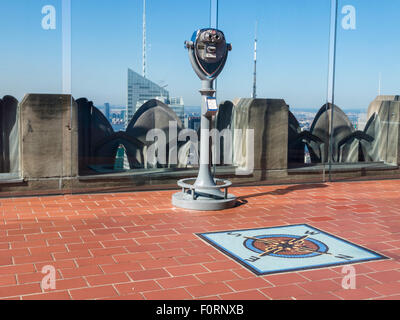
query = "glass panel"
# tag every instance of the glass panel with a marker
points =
(288, 118)
(125, 126)
(34, 115)
(115, 82)
(123, 93)
(365, 135)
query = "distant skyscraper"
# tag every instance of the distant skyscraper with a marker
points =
(254, 95)
(107, 110)
(178, 106)
(144, 39)
(123, 115)
(193, 123)
(141, 90)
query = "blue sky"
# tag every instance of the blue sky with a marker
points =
(292, 50)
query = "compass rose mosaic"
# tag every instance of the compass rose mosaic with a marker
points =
(289, 248)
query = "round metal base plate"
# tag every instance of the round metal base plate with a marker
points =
(185, 201)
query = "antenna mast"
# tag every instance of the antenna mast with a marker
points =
(254, 96)
(144, 38)
(380, 84)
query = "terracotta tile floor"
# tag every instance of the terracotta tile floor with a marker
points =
(136, 246)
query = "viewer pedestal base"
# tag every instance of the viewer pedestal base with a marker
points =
(202, 202)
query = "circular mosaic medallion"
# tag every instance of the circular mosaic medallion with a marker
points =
(286, 246)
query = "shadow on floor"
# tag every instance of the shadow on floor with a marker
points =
(280, 192)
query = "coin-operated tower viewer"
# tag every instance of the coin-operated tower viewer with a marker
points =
(208, 52)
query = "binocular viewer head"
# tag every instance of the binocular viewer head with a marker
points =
(211, 36)
(208, 52)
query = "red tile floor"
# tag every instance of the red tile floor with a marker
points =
(136, 246)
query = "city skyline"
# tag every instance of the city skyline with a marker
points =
(292, 56)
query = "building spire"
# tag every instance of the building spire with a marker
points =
(380, 84)
(254, 95)
(144, 38)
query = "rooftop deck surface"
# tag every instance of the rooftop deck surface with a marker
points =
(137, 246)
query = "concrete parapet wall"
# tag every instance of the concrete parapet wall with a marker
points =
(40, 142)
(384, 125)
(48, 136)
(269, 118)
